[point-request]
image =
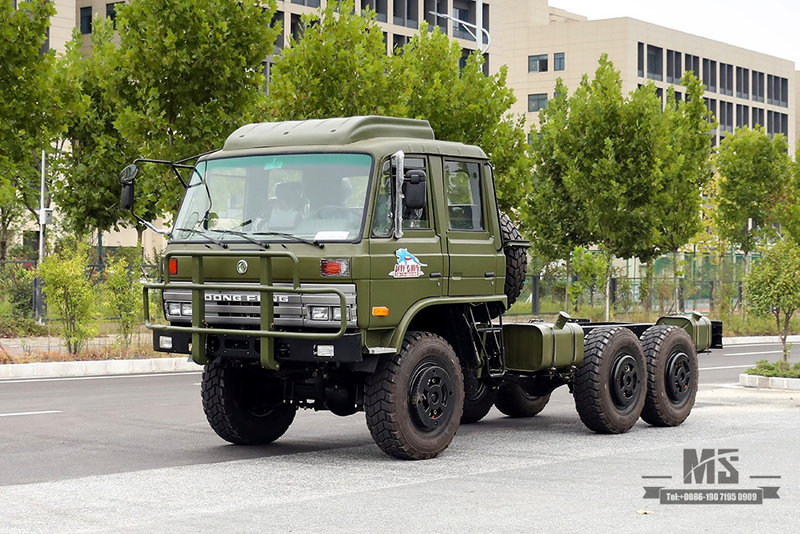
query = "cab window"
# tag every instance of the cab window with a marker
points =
(464, 201)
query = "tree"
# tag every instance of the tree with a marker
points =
(686, 168)
(190, 72)
(87, 189)
(555, 220)
(26, 108)
(772, 286)
(338, 68)
(614, 170)
(754, 175)
(124, 295)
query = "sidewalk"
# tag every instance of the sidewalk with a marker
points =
(19, 346)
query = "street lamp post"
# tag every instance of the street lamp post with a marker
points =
(467, 25)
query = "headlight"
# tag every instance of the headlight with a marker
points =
(320, 313)
(173, 308)
(186, 308)
(337, 313)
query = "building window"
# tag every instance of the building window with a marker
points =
(537, 63)
(725, 116)
(742, 82)
(406, 13)
(777, 91)
(296, 27)
(309, 3)
(674, 72)
(742, 116)
(711, 106)
(678, 96)
(277, 18)
(726, 79)
(757, 88)
(435, 6)
(655, 63)
(640, 60)
(710, 75)
(758, 117)
(537, 102)
(784, 124)
(693, 64)
(463, 10)
(398, 42)
(86, 20)
(558, 61)
(111, 12)
(380, 7)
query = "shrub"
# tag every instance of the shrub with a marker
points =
(775, 369)
(124, 296)
(69, 294)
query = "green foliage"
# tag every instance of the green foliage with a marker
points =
(189, 73)
(590, 269)
(87, 189)
(686, 167)
(754, 174)
(337, 69)
(554, 219)
(123, 294)
(779, 369)
(69, 293)
(772, 286)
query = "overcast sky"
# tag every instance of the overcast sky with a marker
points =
(768, 26)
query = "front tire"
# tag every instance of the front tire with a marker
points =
(414, 400)
(672, 374)
(243, 403)
(513, 401)
(609, 385)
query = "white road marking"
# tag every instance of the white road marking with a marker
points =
(29, 413)
(754, 353)
(101, 377)
(727, 367)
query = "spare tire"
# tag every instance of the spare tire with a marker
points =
(516, 265)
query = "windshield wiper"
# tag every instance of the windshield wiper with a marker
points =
(203, 234)
(244, 235)
(292, 236)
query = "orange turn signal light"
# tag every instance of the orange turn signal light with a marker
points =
(173, 266)
(380, 311)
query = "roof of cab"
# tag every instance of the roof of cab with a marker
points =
(338, 131)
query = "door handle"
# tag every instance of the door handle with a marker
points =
(488, 274)
(436, 275)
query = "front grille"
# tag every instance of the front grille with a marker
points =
(244, 307)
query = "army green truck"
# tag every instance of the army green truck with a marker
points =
(360, 264)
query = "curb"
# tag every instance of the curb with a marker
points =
(96, 368)
(769, 382)
(753, 340)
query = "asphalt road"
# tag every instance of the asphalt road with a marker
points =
(135, 454)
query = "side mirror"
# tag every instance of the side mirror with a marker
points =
(126, 178)
(414, 189)
(128, 174)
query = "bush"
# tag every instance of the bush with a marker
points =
(779, 369)
(69, 295)
(124, 296)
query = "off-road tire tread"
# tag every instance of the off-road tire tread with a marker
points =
(221, 417)
(654, 411)
(382, 419)
(588, 386)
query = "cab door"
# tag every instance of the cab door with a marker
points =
(410, 268)
(472, 250)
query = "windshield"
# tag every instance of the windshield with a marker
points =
(314, 197)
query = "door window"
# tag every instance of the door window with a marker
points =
(464, 202)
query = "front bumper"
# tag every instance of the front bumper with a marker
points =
(345, 349)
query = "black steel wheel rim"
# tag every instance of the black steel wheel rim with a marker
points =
(625, 381)
(678, 377)
(430, 396)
